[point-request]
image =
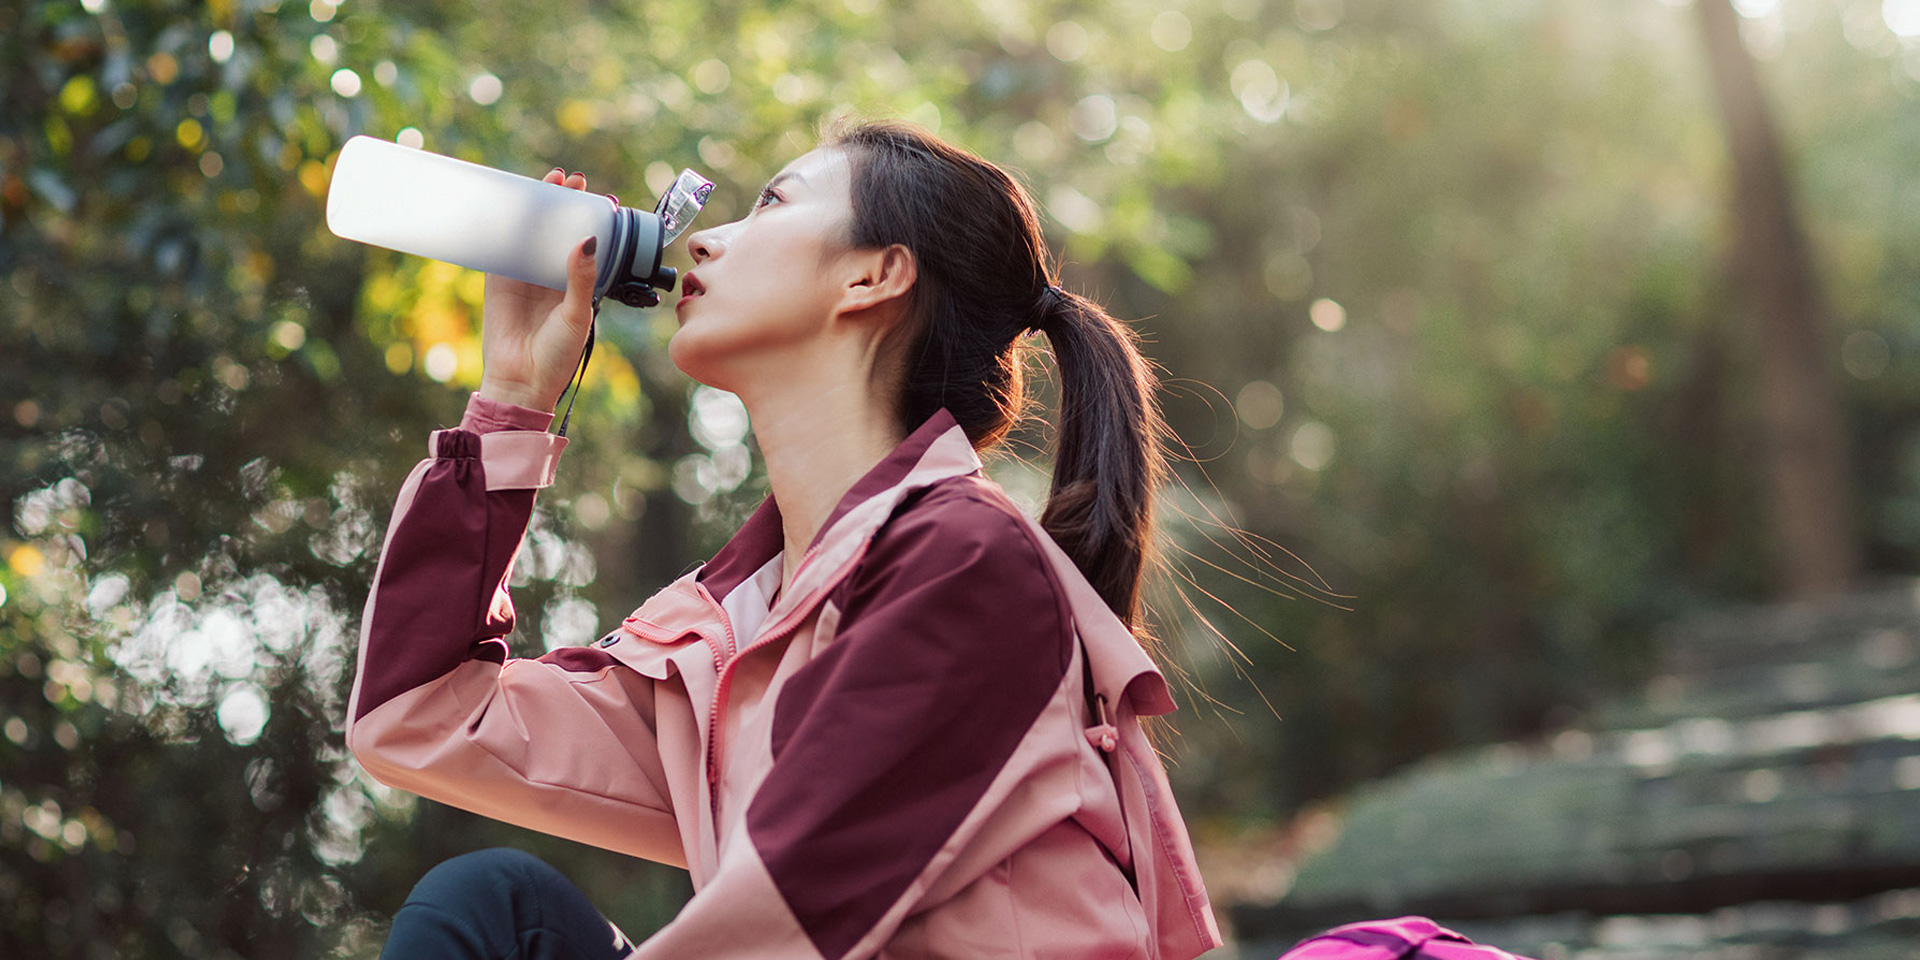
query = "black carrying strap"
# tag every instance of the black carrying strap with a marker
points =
(579, 379)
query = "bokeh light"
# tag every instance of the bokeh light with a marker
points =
(1261, 92)
(1171, 31)
(1327, 315)
(1312, 445)
(1094, 118)
(1902, 17)
(1068, 41)
(485, 89)
(1260, 404)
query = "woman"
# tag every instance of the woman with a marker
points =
(892, 717)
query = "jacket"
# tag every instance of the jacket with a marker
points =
(897, 757)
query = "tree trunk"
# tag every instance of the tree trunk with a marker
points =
(1805, 474)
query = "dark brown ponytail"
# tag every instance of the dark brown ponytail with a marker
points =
(984, 281)
(1107, 459)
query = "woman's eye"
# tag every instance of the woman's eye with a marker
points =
(766, 196)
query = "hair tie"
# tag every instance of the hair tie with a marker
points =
(1051, 297)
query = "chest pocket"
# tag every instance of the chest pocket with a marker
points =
(670, 621)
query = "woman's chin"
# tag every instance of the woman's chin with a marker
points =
(726, 353)
(698, 356)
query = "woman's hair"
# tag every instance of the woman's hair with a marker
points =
(985, 278)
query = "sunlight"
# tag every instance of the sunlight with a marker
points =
(1902, 17)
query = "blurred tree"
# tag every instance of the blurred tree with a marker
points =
(1465, 292)
(1808, 479)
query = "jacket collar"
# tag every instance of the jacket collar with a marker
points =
(938, 449)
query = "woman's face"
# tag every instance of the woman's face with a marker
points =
(764, 287)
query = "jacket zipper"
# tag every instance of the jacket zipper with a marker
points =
(714, 716)
(717, 712)
(720, 656)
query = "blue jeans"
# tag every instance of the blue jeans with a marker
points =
(500, 904)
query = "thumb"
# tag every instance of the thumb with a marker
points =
(577, 305)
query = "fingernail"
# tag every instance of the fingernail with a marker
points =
(554, 171)
(592, 244)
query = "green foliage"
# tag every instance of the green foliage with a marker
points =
(1530, 434)
(1457, 263)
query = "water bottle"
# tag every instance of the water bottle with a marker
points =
(421, 203)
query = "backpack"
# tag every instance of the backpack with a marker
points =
(1406, 938)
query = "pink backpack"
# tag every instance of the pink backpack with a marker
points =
(1407, 938)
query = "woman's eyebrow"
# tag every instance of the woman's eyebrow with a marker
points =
(782, 177)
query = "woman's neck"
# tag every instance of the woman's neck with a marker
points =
(818, 438)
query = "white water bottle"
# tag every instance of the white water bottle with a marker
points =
(502, 223)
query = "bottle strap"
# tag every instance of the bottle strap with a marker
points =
(579, 379)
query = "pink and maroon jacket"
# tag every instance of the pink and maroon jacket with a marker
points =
(898, 757)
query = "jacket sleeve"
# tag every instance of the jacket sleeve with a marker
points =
(438, 707)
(951, 644)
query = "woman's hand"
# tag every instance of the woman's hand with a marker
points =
(531, 336)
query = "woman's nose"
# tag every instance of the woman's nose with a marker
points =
(704, 245)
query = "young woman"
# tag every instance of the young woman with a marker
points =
(892, 717)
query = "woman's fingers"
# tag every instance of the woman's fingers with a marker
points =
(576, 181)
(577, 306)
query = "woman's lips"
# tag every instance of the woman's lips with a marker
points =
(690, 288)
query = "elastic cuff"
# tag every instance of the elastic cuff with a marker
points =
(509, 459)
(520, 459)
(486, 415)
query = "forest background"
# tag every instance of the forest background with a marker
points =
(1489, 311)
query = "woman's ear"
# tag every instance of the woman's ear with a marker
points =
(882, 278)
